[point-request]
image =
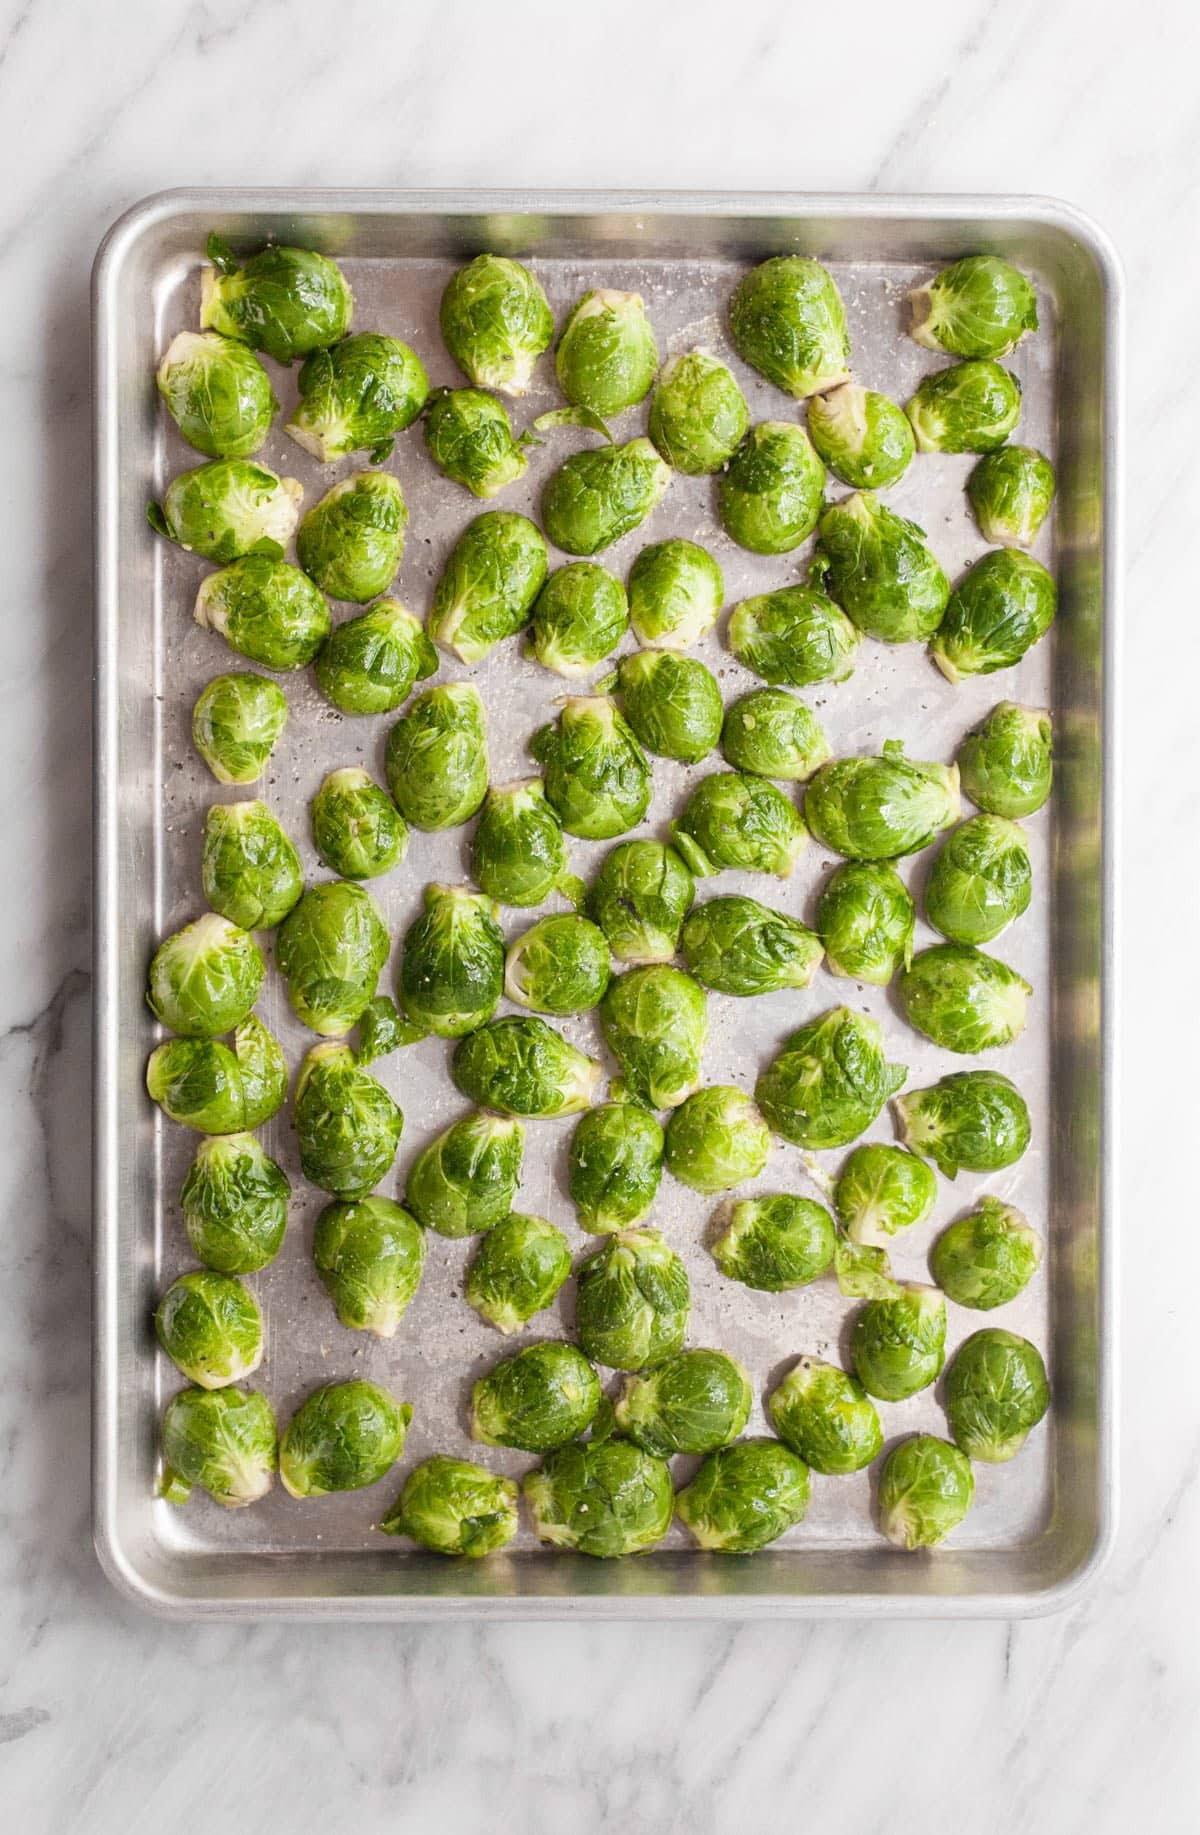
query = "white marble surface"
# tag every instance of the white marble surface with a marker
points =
(110, 1721)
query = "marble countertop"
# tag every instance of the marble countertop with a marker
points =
(111, 1721)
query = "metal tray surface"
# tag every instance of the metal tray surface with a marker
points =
(1040, 1523)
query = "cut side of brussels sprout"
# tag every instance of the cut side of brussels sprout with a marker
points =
(518, 854)
(996, 613)
(236, 723)
(734, 945)
(205, 979)
(925, 1490)
(980, 306)
(640, 898)
(598, 495)
(1011, 492)
(234, 1203)
(351, 542)
(970, 407)
(981, 879)
(744, 1497)
(286, 301)
(222, 1440)
(866, 917)
(606, 357)
(536, 1400)
(864, 438)
(454, 1508)
(486, 592)
(774, 1244)
(496, 322)
(632, 1301)
(227, 509)
(829, 1082)
(356, 828)
(881, 570)
(436, 760)
(788, 322)
(826, 1417)
(962, 999)
(734, 820)
(773, 734)
(986, 1258)
(716, 1139)
(655, 1023)
(266, 610)
(347, 1126)
(469, 437)
(597, 778)
(452, 970)
(522, 1066)
(898, 1344)
(579, 618)
(672, 703)
(880, 808)
(330, 949)
(794, 636)
(560, 965)
(210, 1327)
(996, 1393)
(465, 1180)
(972, 1121)
(770, 493)
(204, 1084)
(369, 663)
(695, 1402)
(357, 396)
(1006, 764)
(217, 393)
(882, 1190)
(616, 1161)
(604, 1499)
(676, 590)
(517, 1269)
(698, 416)
(369, 1257)
(342, 1438)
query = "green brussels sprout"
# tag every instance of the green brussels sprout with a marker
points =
(606, 357)
(734, 945)
(234, 1202)
(537, 1399)
(579, 618)
(862, 436)
(963, 999)
(606, 1498)
(217, 393)
(632, 1301)
(204, 1084)
(601, 493)
(980, 306)
(655, 1022)
(1011, 492)
(971, 1120)
(205, 978)
(559, 965)
(734, 820)
(676, 590)
(770, 493)
(789, 323)
(640, 898)
(518, 1065)
(772, 733)
(222, 1440)
(1006, 763)
(454, 1508)
(882, 1190)
(881, 570)
(357, 396)
(329, 949)
(986, 1258)
(249, 868)
(774, 1244)
(518, 855)
(865, 918)
(744, 1496)
(286, 301)
(494, 573)
(996, 1393)
(970, 407)
(597, 777)
(616, 1160)
(469, 437)
(981, 879)
(898, 1344)
(672, 703)
(452, 969)
(996, 613)
(341, 1438)
(351, 541)
(369, 1257)
(356, 828)
(236, 722)
(698, 415)
(227, 509)
(829, 1081)
(347, 1125)
(925, 1490)
(716, 1139)
(694, 1403)
(496, 323)
(794, 636)
(880, 808)
(369, 663)
(211, 1329)
(436, 761)
(466, 1179)
(826, 1417)
(518, 1268)
(266, 610)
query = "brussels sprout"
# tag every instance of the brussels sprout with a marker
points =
(228, 508)
(1011, 492)
(436, 761)
(286, 301)
(963, 999)
(597, 776)
(996, 1393)
(537, 1399)
(734, 945)
(716, 1138)
(970, 407)
(268, 611)
(466, 1179)
(452, 970)
(341, 1438)
(236, 722)
(347, 1125)
(217, 393)
(1006, 762)
(864, 438)
(606, 357)
(356, 828)
(744, 1496)
(829, 1081)
(774, 1244)
(204, 1084)
(655, 1022)
(522, 1066)
(579, 618)
(205, 978)
(972, 1120)
(616, 1162)
(606, 1498)
(826, 1417)
(770, 493)
(772, 733)
(734, 820)
(601, 493)
(694, 1403)
(518, 1268)
(369, 1257)
(698, 415)
(234, 1202)
(789, 323)
(352, 540)
(211, 1329)
(794, 636)
(880, 808)
(996, 613)
(632, 1301)
(469, 437)
(981, 879)
(358, 396)
(330, 949)
(559, 965)
(496, 323)
(454, 1508)
(518, 855)
(980, 306)
(898, 1345)
(640, 898)
(865, 918)
(882, 1190)
(222, 1440)
(487, 588)
(925, 1490)
(672, 703)
(881, 570)
(676, 589)
(986, 1258)
(369, 663)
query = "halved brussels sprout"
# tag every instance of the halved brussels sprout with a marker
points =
(789, 323)
(795, 635)
(829, 1081)
(676, 590)
(222, 1440)
(351, 542)
(518, 1268)
(882, 1190)
(735, 820)
(601, 493)
(996, 613)
(537, 1399)
(518, 855)
(356, 828)
(1006, 763)
(454, 1508)
(249, 868)
(981, 879)
(744, 1496)
(606, 357)
(770, 493)
(882, 571)
(972, 1120)
(606, 1498)
(698, 416)
(357, 396)
(217, 393)
(597, 777)
(672, 703)
(236, 722)
(774, 1244)
(695, 1402)
(898, 1344)
(369, 1255)
(559, 965)
(496, 323)
(862, 436)
(716, 1139)
(204, 1084)
(205, 978)
(210, 1327)
(452, 969)
(347, 1126)
(655, 1022)
(579, 618)
(926, 1488)
(970, 407)
(616, 1161)
(1011, 492)
(466, 1179)
(436, 761)
(826, 1417)
(286, 301)
(996, 1393)
(640, 898)
(880, 808)
(469, 437)
(492, 576)
(266, 610)
(865, 917)
(734, 945)
(330, 949)
(341, 1438)
(772, 733)
(986, 1258)
(980, 306)
(963, 999)
(632, 1301)
(522, 1066)
(369, 663)
(227, 509)
(234, 1203)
